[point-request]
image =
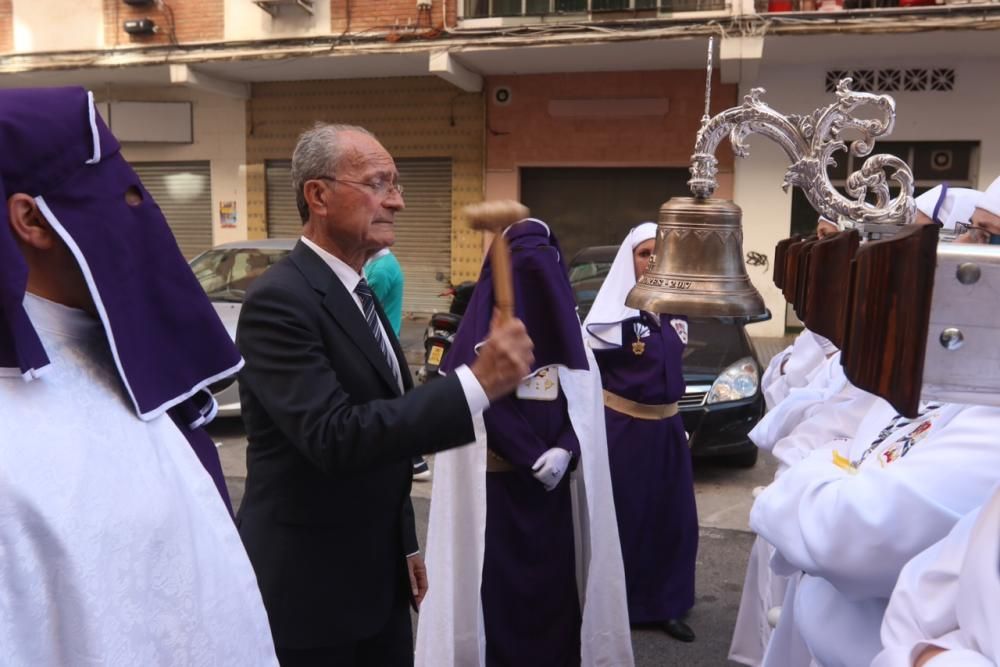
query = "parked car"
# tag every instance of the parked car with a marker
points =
(225, 272)
(723, 401)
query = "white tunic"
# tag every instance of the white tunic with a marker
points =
(827, 412)
(801, 361)
(115, 547)
(851, 532)
(819, 394)
(947, 597)
(831, 423)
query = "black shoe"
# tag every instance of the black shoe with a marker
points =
(420, 470)
(679, 630)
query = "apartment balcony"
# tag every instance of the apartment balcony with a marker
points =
(489, 13)
(830, 8)
(503, 13)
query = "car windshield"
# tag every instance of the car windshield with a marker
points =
(226, 273)
(713, 343)
(586, 280)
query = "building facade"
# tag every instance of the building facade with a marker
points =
(584, 109)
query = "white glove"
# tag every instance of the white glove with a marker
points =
(551, 466)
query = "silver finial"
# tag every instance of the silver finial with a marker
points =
(811, 143)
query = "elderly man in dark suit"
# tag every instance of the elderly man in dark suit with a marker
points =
(326, 518)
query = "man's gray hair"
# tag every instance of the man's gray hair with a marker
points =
(318, 153)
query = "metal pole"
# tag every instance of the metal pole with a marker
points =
(708, 83)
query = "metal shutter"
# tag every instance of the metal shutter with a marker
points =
(184, 192)
(423, 228)
(423, 232)
(283, 219)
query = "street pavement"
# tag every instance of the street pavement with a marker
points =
(723, 496)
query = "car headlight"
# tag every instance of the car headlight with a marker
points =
(737, 382)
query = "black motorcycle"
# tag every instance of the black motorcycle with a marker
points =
(441, 330)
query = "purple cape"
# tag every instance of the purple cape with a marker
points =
(543, 300)
(167, 342)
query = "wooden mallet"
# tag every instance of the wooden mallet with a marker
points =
(495, 216)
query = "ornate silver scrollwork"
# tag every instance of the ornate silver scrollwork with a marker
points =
(811, 142)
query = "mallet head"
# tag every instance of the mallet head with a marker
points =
(494, 216)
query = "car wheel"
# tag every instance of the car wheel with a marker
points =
(747, 459)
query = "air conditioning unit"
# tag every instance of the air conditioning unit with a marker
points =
(423, 4)
(273, 7)
(139, 27)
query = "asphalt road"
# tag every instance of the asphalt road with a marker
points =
(724, 499)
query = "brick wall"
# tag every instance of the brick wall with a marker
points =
(203, 20)
(6, 26)
(387, 14)
(525, 132)
(194, 21)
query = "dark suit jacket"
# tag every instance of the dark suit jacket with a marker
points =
(326, 517)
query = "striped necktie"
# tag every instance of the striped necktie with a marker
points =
(367, 297)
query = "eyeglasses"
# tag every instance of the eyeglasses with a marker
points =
(379, 186)
(976, 234)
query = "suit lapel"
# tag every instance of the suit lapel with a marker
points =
(345, 312)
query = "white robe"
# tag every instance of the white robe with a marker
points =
(801, 361)
(115, 547)
(948, 597)
(822, 394)
(852, 532)
(450, 628)
(827, 411)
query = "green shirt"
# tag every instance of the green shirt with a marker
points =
(385, 276)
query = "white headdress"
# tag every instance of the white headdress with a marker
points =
(990, 200)
(609, 310)
(947, 206)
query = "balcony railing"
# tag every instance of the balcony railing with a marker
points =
(503, 8)
(775, 6)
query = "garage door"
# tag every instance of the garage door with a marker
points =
(184, 192)
(282, 216)
(597, 206)
(423, 233)
(423, 228)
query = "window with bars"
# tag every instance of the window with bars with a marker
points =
(894, 80)
(500, 8)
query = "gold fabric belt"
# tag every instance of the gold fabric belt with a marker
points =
(497, 463)
(639, 410)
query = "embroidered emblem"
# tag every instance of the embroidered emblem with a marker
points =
(542, 386)
(641, 331)
(890, 455)
(904, 445)
(681, 327)
(927, 411)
